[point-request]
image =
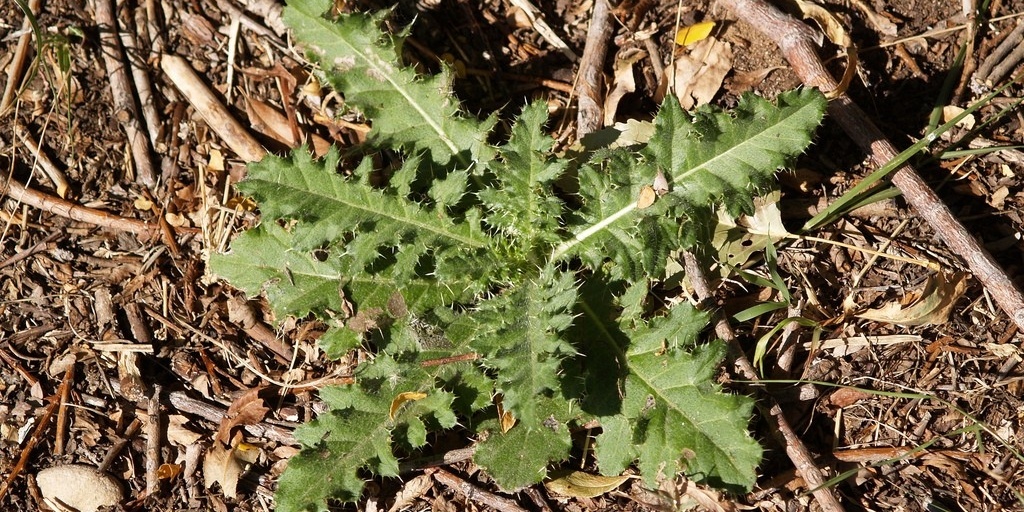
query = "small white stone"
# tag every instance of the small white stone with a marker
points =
(78, 488)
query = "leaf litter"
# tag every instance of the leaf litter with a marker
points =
(97, 167)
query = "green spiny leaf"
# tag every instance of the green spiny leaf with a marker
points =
(727, 156)
(381, 224)
(709, 157)
(296, 283)
(636, 241)
(409, 250)
(521, 338)
(408, 110)
(521, 456)
(673, 413)
(522, 204)
(358, 432)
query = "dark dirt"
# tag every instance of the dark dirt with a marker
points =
(82, 304)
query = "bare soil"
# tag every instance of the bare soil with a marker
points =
(116, 350)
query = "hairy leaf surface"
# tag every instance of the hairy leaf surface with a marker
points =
(408, 110)
(674, 416)
(362, 427)
(522, 204)
(521, 456)
(478, 275)
(707, 157)
(520, 337)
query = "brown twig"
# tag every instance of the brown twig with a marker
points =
(795, 448)
(474, 493)
(60, 182)
(132, 386)
(73, 211)
(121, 90)
(37, 434)
(43, 245)
(115, 450)
(537, 498)
(188, 405)
(153, 442)
(143, 86)
(16, 366)
(62, 410)
(590, 81)
(795, 41)
(18, 62)
(445, 459)
(211, 109)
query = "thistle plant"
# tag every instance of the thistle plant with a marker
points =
(503, 288)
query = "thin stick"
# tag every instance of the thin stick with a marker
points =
(118, 446)
(211, 109)
(62, 410)
(20, 53)
(795, 449)
(795, 41)
(121, 90)
(73, 211)
(590, 81)
(142, 85)
(29, 446)
(474, 493)
(60, 182)
(153, 443)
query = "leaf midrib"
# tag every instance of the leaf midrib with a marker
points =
(327, 26)
(364, 206)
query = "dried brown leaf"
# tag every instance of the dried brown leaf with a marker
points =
(505, 418)
(411, 491)
(624, 82)
(247, 409)
(579, 484)
(835, 32)
(932, 307)
(178, 433)
(699, 73)
(222, 467)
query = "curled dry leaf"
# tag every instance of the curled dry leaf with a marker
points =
(624, 81)
(578, 484)
(739, 239)
(411, 491)
(646, 198)
(506, 419)
(932, 306)
(178, 433)
(835, 32)
(883, 25)
(402, 398)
